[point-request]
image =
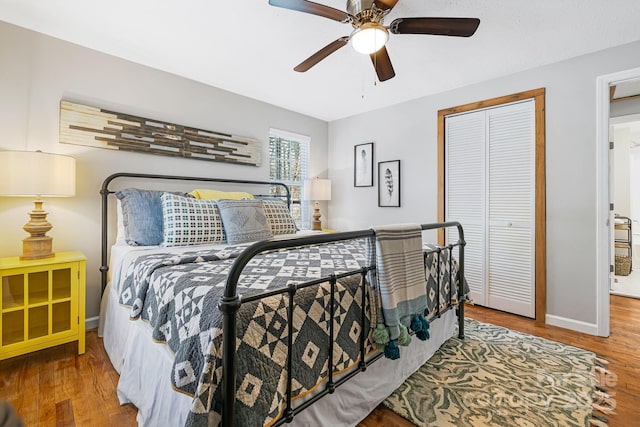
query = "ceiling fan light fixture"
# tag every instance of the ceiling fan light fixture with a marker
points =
(369, 38)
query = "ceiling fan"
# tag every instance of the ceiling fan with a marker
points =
(370, 34)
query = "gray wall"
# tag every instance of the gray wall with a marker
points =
(37, 71)
(408, 132)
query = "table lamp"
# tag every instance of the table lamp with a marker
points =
(37, 174)
(317, 189)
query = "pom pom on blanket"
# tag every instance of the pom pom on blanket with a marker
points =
(381, 335)
(416, 324)
(425, 323)
(391, 351)
(420, 326)
(404, 338)
(423, 335)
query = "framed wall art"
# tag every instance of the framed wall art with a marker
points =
(100, 128)
(389, 183)
(363, 165)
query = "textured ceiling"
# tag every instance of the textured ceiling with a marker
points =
(250, 48)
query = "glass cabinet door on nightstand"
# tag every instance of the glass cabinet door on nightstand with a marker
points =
(37, 302)
(13, 303)
(61, 297)
(39, 306)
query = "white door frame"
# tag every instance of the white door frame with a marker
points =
(603, 239)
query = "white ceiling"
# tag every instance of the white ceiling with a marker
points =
(250, 48)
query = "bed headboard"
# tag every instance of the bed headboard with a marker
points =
(141, 178)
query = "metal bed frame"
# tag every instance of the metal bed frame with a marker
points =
(231, 302)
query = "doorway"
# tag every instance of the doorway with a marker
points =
(625, 134)
(604, 230)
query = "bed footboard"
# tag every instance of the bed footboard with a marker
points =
(231, 302)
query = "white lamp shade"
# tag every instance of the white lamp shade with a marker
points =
(369, 38)
(33, 173)
(317, 189)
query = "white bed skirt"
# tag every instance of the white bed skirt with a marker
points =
(138, 360)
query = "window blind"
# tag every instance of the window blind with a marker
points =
(289, 164)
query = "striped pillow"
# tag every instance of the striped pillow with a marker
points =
(189, 221)
(279, 217)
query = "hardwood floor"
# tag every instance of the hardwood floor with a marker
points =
(56, 387)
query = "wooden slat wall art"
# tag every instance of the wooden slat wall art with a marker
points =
(97, 127)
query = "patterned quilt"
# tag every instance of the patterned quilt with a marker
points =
(178, 296)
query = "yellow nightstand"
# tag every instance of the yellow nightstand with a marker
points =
(42, 303)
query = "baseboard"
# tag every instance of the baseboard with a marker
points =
(622, 294)
(91, 322)
(575, 325)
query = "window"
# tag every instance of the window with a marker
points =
(288, 163)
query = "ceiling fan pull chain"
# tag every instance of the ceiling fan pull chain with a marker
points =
(375, 67)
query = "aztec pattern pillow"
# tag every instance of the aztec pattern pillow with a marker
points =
(244, 221)
(142, 216)
(189, 221)
(279, 217)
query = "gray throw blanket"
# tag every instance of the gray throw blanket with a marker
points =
(401, 284)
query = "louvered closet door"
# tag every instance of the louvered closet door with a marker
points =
(511, 208)
(465, 193)
(490, 190)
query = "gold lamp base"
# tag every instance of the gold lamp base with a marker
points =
(316, 224)
(38, 245)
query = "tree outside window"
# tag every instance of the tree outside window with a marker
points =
(288, 163)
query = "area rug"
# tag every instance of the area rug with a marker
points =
(499, 377)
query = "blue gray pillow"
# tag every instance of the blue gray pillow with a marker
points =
(142, 216)
(244, 220)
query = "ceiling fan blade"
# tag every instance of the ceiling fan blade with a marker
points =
(382, 64)
(385, 4)
(460, 27)
(321, 54)
(313, 8)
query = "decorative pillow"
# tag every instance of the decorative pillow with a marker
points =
(189, 221)
(142, 216)
(244, 220)
(120, 233)
(278, 216)
(216, 195)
